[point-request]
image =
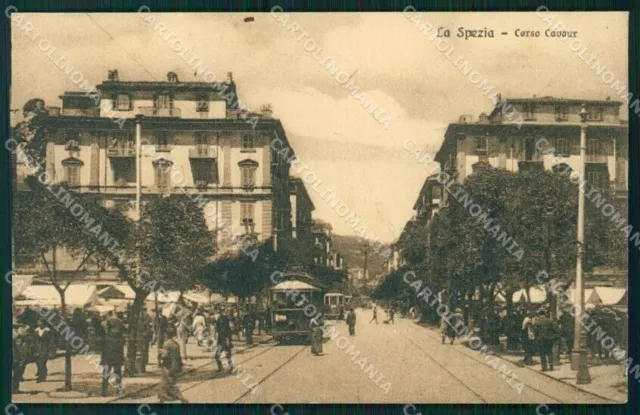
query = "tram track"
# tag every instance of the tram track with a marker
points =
(303, 348)
(442, 366)
(193, 370)
(556, 399)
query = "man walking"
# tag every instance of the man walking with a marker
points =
(42, 346)
(20, 355)
(375, 315)
(545, 335)
(351, 321)
(223, 343)
(247, 322)
(171, 364)
(528, 338)
(392, 313)
(449, 327)
(112, 352)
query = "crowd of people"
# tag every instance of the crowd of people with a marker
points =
(37, 340)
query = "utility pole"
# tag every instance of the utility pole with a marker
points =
(579, 354)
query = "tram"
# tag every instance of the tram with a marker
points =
(288, 318)
(334, 305)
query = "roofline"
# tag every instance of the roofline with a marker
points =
(566, 100)
(293, 179)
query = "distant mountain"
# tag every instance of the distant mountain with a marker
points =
(352, 250)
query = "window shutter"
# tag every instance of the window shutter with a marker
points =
(575, 145)
(494, 146)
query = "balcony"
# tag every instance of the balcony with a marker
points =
(596, 158)
(159, 112)
(202, 184)
(127, 149)
(203, 152)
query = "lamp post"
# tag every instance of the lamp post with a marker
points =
(579, 354)
(549, 214)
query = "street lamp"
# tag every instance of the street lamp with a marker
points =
(549, 215)
(579, 354)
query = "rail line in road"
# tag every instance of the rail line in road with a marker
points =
(442, 366)
(527, 385)
(303, 348)
(155, 385)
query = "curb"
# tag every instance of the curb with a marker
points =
(516, 363)
(155, 385)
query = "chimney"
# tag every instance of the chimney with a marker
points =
(534, 95)
(230, 77)
(608, 98)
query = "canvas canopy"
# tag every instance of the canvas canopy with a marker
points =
(609, 296)
(77, 295)
(19, 283)
(119, 291)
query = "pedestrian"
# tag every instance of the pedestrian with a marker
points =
(223, 342)
(375, 315)
(247, 322)
(163, 324)
(198, 327)
(528, 338)
(449, 327)
(392, 313)
(21, 354)
(544, 337)
(566, 333)
(316, 337)
(267, 320)
(42, 349)
(112, 357)
(79, 324)
(28, 318)
(351, 322)
(184, 329)
(171, 364)
(145, 333)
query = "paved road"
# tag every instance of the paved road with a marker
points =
(405, 363)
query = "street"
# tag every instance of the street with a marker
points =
(411, 358)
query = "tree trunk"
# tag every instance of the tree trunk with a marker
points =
(67, 346)
(132, 332)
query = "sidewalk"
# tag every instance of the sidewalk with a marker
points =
(87, 381)
(607, 379)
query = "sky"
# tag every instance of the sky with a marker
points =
(400, 69)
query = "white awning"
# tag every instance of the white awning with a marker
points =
(19, 283)
(77, 295)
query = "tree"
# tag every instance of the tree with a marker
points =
(173, 244)
(44, 226)
(50, 217)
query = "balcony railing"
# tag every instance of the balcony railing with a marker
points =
(202, 152)
(124, 150)
(159, 112)
(202, 183)
(531, 165)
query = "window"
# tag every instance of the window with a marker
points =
(594, 114)
(482, 145)
(205, 171)
(595, 178)
(163, 141)
(72, 171)
(248, 173)
(123, 102)
(202, 142)
(163, 102)
(247, 212)
(248, 142)
(202, 105)
(594, 147)
(162, 174)
(561, 113)
(124, 171)
(562, 147)
(529, 112)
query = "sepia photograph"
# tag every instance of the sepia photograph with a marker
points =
(281, 207)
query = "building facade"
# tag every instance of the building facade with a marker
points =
(195, 144)
(546, 136)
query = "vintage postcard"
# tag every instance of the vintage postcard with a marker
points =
(286, 208)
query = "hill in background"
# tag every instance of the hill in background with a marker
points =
(352, 250)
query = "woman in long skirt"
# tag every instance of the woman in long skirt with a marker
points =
(316, 340)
